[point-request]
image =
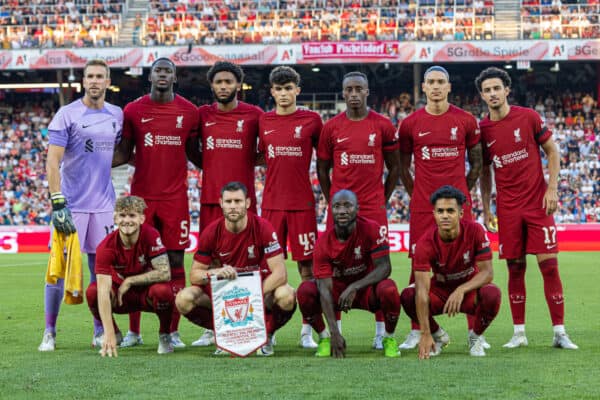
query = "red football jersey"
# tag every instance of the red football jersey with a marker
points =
(355, 149)
(247, 250)
(228, 149)
(287, 143)
(452, 263)
(438, 144)
(160, 132)
(512, 146)
(113, 259)
(351, 260)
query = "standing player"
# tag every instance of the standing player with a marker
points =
(356, 144)
(133, 275)
(239, 242)
(82, 137)
(438, 136)
(229, 132)
(452, 263)
(352, 266)
(525, 202)
(287, 138)
(162, 127)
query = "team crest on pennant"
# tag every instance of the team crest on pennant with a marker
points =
(237, 310)
(239, 313)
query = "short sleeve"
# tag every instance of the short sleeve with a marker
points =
(128, 115)
(540, 131)
(154, 245)
(316, 133)
(269, 240)
(206, 245)
(325, 149)
(422, 256)
(105, 259)
(483, 251)
(378, 237)
(473, 135)
(58, 130)
(321, 264)
(389, 136)
(405, 137)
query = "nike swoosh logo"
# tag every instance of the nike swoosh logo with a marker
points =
(551, 247)
(182, 242)
(342, 140)
(267, 132)
(209, 123)
(490, 144)
(144, 120)
(96, 123)
(224, 254)
(421, 134)
(308, 253)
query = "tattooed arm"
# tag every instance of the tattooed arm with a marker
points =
(160, 273)
(475, 161)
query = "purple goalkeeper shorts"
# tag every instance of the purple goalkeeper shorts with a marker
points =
(92, 228)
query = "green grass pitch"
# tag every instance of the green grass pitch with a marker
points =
(75, 371)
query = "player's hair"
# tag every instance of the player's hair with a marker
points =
(284, 74)
(163, 59)
(130, 203)
(234, 187)
(225, 66)
(448, 192)
(437, 68)
(356, 74)
(491, 73)
(97, 62)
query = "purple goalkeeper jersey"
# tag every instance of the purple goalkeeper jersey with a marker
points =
(89, 137)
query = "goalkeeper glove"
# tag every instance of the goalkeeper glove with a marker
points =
(61, 215)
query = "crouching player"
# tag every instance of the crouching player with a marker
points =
(351, 267)
(457, 252)
(238, 242)
(132, 269)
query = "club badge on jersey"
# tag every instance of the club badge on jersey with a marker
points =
(239, 314)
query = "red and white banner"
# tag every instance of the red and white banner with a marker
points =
(239, 314)
(311, 53)
(35, 239)
(343, 52)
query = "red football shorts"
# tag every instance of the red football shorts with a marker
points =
(172, 219)
(526, 232)
(299, 228)
(365, 298)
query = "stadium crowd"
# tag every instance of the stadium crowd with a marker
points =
(556, 19)
(574, 118)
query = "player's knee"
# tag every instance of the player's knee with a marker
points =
(185, 301)
(307, 292)
(407, 297)
(91, 294)
(161, 292)
(490, 296)
(285, 297)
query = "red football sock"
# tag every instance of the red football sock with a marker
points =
(488, 305)
(310, 305)
(516, 291)
(553, 290)
(134, 322)
(389, 299)
(201, 316)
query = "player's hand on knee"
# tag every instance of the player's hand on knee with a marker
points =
(426, 346)
(347, 298)
(61, 215)
(338, 346)
(454, 302)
